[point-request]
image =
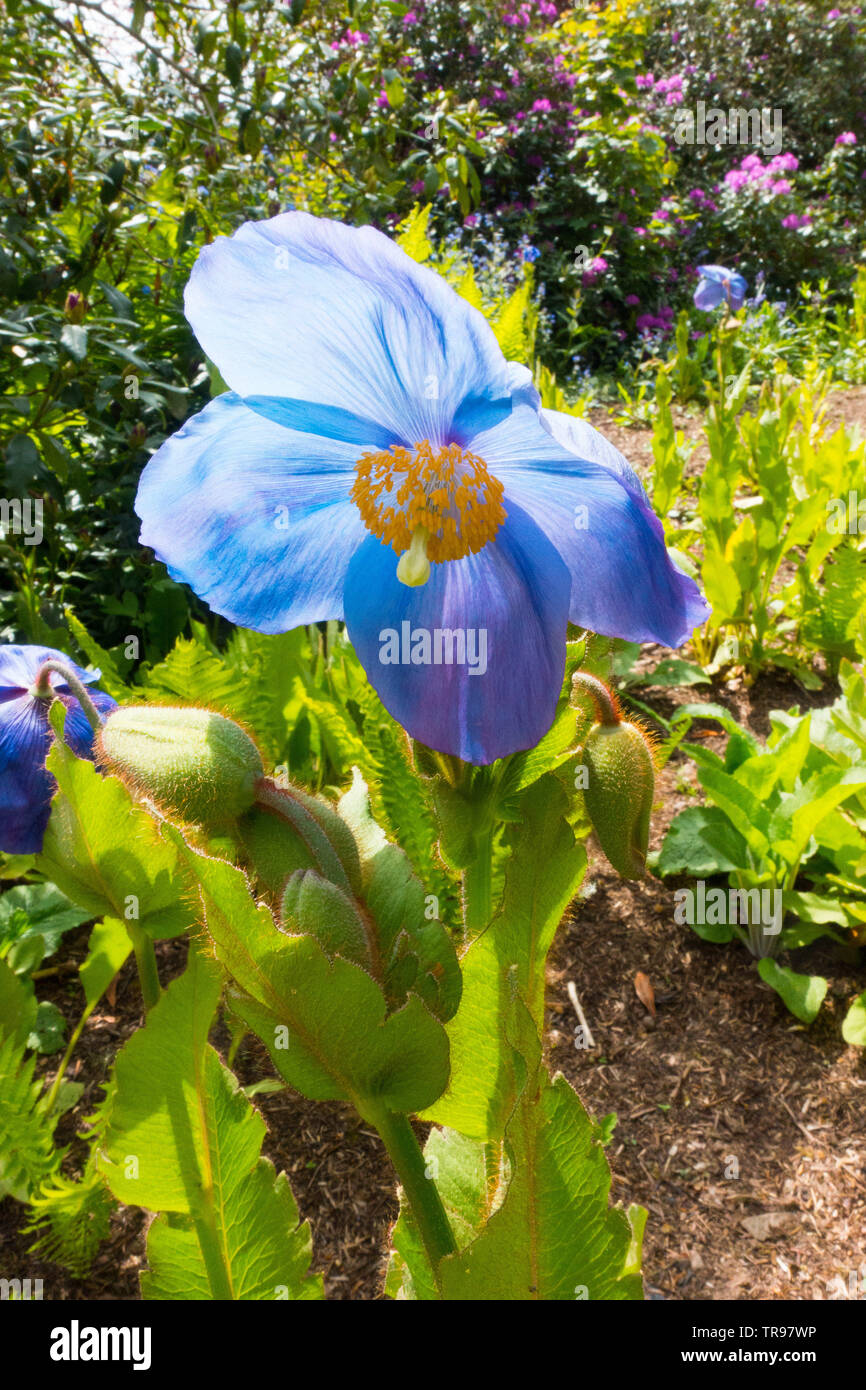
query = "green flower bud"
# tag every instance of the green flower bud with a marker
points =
(312, 906)
(192, 763)
(288, 829)
(619, 793)
(75, 307)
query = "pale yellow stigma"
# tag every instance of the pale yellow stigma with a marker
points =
(428, 505)
(413, 567)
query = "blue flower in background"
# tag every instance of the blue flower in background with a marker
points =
(26, 788)
(717, 285)
(377, 460)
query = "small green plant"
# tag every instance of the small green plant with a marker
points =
(785, 825)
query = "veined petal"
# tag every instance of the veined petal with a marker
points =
(309, 309)
(256, 518)
(77, 731)
(708, 294)
(507, 605)
(20, 664)
(594, 511)
(581, 438)
(25, 786)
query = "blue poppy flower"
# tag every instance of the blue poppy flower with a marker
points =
(373, 416)
(26, 788)
(717, 284)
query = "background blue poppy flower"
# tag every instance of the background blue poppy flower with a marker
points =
(718, 284)
(373, 416)
(25, 738)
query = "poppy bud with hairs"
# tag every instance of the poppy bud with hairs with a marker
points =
(620, 780)
(193, 763)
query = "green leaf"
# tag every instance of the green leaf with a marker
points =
(70, 1219)
(108, 949)
(106, 853)
(35, 916)
(673, 671)
(538, 888)
(49, 1028)
(73, 336)
(110, 678)
(191, 674)
(702, 841)
(536, 1226)
(743, 809)
(854, 1024)
(412, 237)
(814, 800)
(324, 1022)
(181, 1139)
(803, 994)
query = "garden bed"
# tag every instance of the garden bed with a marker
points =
(722, 1071)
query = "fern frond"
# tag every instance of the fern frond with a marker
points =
(70, 1219)
(27, 1152)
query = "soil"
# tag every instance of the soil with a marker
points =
(727, 1108)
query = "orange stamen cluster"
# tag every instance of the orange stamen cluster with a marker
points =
(446, 491)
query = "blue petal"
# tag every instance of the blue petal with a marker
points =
(515, 592)
(718, 273)
(737, 292)
(592, 508)
(708, 294)
(77, 731)
(256, 518)
(25, 786)
(19, 667)
(312, 310)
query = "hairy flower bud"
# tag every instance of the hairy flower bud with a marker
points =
(191, 762)
(288, 829)
(311, 906)
(619, 793)
(620, 777)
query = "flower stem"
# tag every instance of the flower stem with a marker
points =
(478, 890)
(421, 1191)
(51, 1098)
(145, 959)
(43, 689)
(604, 701)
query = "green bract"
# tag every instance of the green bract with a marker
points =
(192, 762)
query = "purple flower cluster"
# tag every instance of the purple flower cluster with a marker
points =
(846, 138)
(662, 322)
(753, 173)
(671, 88)
(594, 271)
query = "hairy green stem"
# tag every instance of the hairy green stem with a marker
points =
(43, 690)
(478, 890)
(421, 1191)
(145, 959)
(604, 701)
